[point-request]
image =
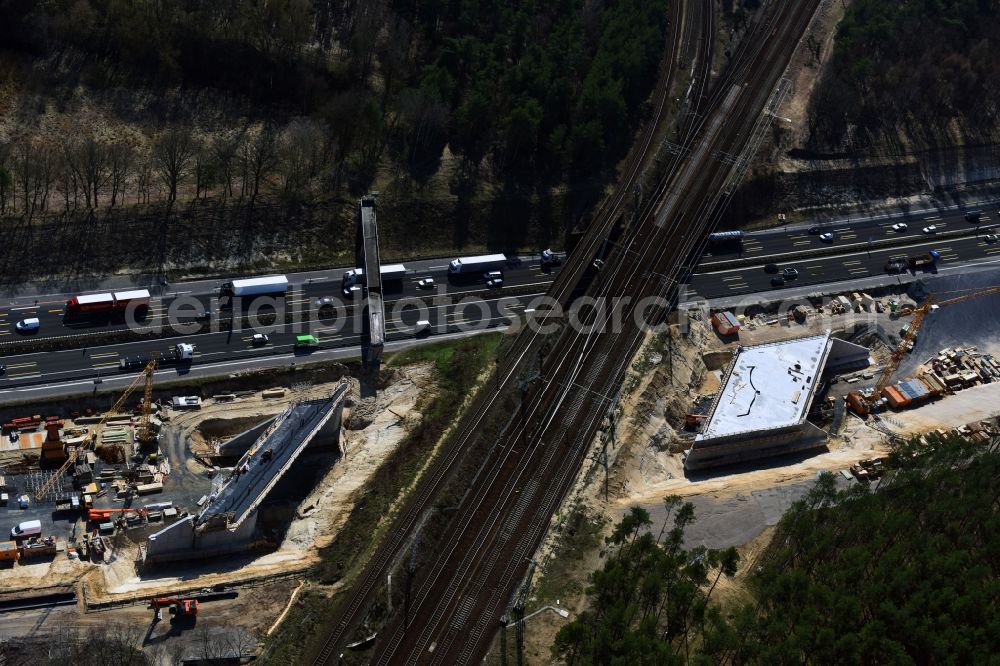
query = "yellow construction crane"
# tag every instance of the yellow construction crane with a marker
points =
(144, 434)
(146, 373)
(861, 403)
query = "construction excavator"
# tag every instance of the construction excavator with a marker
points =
(143, 433)
(178, 607)
(865, 402)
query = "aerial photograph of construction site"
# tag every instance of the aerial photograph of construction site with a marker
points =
(654, 332)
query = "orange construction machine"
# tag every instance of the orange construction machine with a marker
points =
(179, 608)
(101, 515)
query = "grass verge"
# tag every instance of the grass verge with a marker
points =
(562, 576)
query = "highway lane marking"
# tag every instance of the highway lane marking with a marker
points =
(513, 300)
(949, 257)
(932, 218)
(104, 355)
(815, 266)
(753, 249)
(435, 268)
(30, 374)
(732, 277)
(805, 242)
(56, 311)
(858, 270)
(22, 365)
(853, 261)
(112, 364)
(26, 307)
(848, 236)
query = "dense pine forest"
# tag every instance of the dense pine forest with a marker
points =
(906, 572)
(928, 70)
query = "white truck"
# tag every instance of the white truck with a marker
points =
(179, 354)
(258, 286)
(481, 264)
(389, 272)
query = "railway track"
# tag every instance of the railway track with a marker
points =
(510, 485)
(391, 549)
(504, 518)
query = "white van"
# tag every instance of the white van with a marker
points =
(25, 325)
(26, 529)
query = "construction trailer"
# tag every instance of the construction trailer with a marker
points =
(726, 323)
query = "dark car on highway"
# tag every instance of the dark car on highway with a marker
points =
(777, 281)
(770, 268)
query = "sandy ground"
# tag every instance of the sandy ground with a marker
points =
(378, 424)
(222, 624)
(382, 422)
(972, 404)
(736, 508)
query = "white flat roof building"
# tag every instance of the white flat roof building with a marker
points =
(768, 386)
(767, 391)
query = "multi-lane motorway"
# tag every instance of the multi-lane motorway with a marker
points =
(852, 264)
(805, 237)
(524, 281)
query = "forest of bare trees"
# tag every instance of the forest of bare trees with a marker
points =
(327, 98)
(41, 174)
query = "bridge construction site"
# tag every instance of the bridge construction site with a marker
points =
(134, 499)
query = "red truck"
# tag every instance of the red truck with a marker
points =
(116, 301)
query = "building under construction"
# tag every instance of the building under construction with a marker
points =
(767, 391)
(228, 521)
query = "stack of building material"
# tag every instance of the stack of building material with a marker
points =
(907, 393)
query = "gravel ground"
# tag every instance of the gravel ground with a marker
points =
(732, 520)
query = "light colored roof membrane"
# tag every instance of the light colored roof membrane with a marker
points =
(769, 386)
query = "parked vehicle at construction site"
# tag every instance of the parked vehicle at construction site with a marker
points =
(26, 529)
(179, 354)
